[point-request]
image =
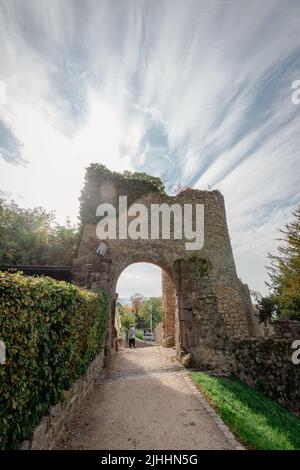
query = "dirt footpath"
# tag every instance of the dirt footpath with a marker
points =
(144, 400)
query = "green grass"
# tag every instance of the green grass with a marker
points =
(257, 421)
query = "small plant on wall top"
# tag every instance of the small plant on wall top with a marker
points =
(203, 266)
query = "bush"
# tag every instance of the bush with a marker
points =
(267, 307)
(52, 331)
(139, 334)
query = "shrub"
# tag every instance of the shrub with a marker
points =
(139, 334)
(52, 331)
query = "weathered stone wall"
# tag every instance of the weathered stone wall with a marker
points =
(287, 328)
(209, 298)
(169, 309)
(47, 432)
(266, 363)
(159, 332)
(250, 312)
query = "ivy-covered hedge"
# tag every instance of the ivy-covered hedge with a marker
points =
(52, 331)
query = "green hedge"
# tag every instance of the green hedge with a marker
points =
(52, 331)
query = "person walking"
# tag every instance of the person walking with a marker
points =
(131, 336)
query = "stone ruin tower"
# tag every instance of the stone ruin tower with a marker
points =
(204, 301)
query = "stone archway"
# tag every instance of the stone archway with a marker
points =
(211, 302)
(169, 306)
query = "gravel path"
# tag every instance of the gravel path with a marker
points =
(145, 400)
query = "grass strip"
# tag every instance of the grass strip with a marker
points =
(257, 421)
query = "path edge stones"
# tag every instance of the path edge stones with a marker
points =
(234, 443)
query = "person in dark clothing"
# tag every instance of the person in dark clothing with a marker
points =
(131, 336)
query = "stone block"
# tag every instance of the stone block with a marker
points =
(26, 445)
(55, 411)
(39, 439)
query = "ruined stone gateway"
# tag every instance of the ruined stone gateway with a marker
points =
(204, 301)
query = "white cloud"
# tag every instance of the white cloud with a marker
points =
(198, 89)
(143, 278)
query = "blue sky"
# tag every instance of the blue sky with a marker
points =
(197, 90)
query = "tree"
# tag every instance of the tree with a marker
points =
(31, 236)
(267, 307)
(152, 307)
(61, 249)
(284, 271)
(126, 315)
(126, 320)
(128, 310)
(136, 302)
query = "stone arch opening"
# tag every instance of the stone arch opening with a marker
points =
(170, 328)
(212, 304)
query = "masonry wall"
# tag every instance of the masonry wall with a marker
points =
(266, 363)
(169, 309)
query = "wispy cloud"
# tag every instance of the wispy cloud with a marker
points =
(200, 90)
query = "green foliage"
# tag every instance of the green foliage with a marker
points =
(127, 317)
(96, 169)
(145, 178)
(255, 419)
(139, 334)
(96, 173)
(285, 270)
(267, 307)
(126, 320)
(31, 236)
(202, 265)
(137, 301)
(52, 331)
(119, 308)
(153, 306)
